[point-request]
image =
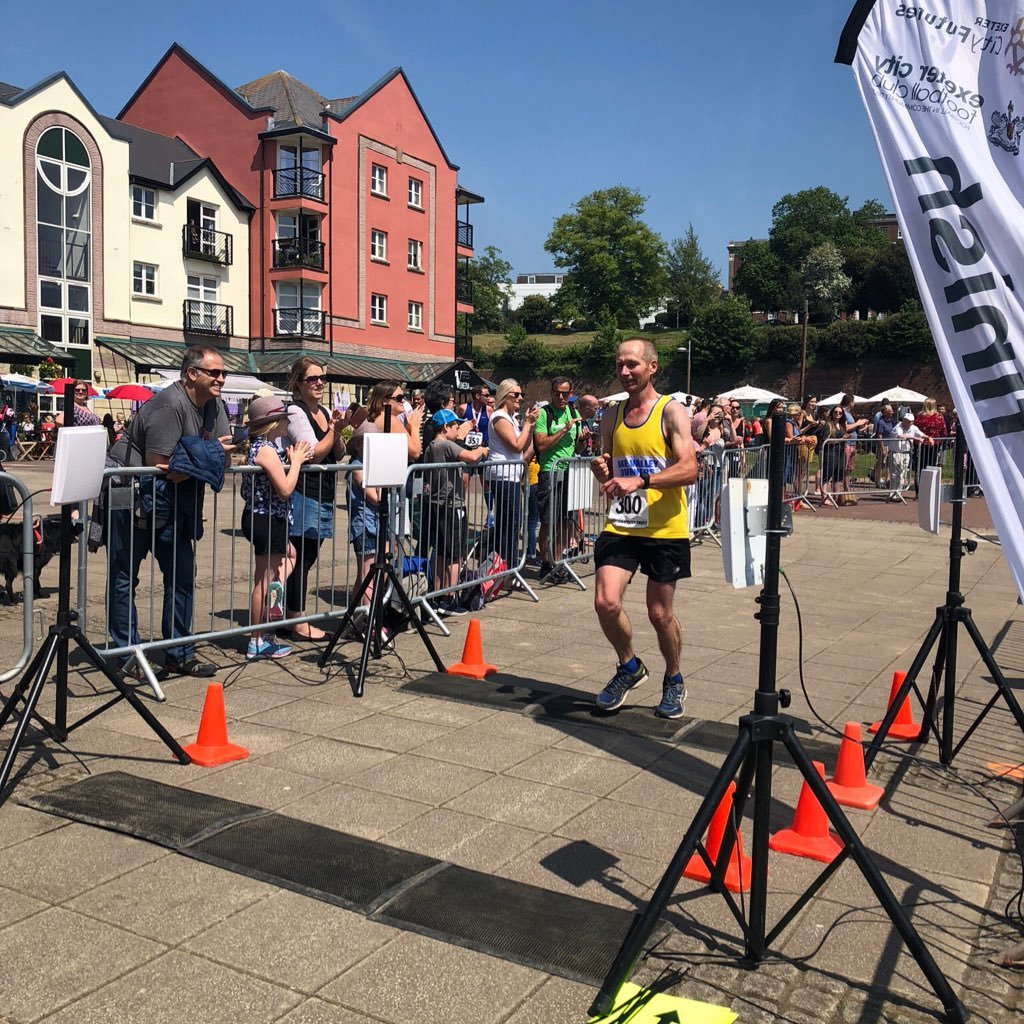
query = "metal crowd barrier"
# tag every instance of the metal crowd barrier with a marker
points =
(881, 466)
(27, 559)
(455, 518)
(207, 586)
(577, 511)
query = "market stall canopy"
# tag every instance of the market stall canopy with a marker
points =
(463, 377)
(19, 382)
(748, 393)
(236, 385)
(898, 395)
(619, 396)
(837, 398)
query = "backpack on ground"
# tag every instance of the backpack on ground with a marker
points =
(471, 598)
(493, 582)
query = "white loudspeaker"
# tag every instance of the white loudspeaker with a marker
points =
(744, 520)
(929, 498)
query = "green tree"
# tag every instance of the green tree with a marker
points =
(491, 277)
(599, 359)
(614, 260)
(535, 314)
(691, 279)
(723, 337)
(822, 279)
(802, 220)
(882, 280)
(522, 354)
(760, 276)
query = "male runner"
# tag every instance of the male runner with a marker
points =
(649, 460)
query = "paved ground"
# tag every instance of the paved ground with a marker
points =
(96, 926)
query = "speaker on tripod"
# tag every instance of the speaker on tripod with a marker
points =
(77, 476)
(749, 762)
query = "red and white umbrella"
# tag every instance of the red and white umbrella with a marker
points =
(130, 393)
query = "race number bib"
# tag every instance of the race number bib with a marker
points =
(629, 512)
(473, 439)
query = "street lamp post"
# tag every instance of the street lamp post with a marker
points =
(686, 349)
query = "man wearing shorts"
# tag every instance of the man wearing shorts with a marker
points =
(649, 460)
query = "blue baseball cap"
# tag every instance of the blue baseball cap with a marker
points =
(445, 417)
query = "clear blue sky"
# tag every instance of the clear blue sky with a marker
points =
(711, 110)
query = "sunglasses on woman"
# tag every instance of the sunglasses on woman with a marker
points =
(316, 379)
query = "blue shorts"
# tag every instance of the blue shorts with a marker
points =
(312, 519)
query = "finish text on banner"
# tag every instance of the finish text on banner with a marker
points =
(941, 83)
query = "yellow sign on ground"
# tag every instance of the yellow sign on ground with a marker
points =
(637, 1005)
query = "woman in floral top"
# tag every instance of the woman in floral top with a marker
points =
(266, 519)
(932, 424)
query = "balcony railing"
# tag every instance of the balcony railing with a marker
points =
(299, 252)
(464, 234)
(202, 317)
(298, 322)
(207, 244)
(463, 346)
(463, 289)
(298, 181)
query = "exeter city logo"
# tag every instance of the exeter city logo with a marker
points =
(1005, 130)
(925, 88)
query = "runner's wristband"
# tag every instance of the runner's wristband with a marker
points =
(645, 479)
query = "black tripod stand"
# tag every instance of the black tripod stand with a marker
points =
(944, 630)
(379, 577)
(64, 632)
(750, 761)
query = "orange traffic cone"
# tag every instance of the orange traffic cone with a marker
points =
(809, 836)
(211, 747)
(737, 874)
(850, 785)
(472, 664)
(903, 725)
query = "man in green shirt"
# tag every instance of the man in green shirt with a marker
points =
(555, 436)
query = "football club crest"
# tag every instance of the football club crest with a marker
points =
(1005, 129)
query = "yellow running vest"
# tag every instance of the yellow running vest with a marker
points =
(643, 449)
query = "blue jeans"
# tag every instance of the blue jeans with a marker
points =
(127, 546)
(532, 522)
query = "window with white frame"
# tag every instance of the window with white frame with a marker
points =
(298, 308)
(415, 254)
(202, 310)
(64, 238)
(378, 245)
(378, 309)
(143, 203)
(144, 279)
(415, 316)
(379, 180)
(416, 193)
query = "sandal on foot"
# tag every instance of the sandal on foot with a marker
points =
(193, 667)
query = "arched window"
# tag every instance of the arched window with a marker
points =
(64, 237)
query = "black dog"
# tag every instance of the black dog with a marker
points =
(47, 543)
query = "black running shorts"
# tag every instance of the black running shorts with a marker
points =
(663, 561)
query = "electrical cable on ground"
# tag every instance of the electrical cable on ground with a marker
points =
(939, 771)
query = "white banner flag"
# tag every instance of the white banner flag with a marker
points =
(943, 84)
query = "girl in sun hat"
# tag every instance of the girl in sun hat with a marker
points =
(266, 518)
